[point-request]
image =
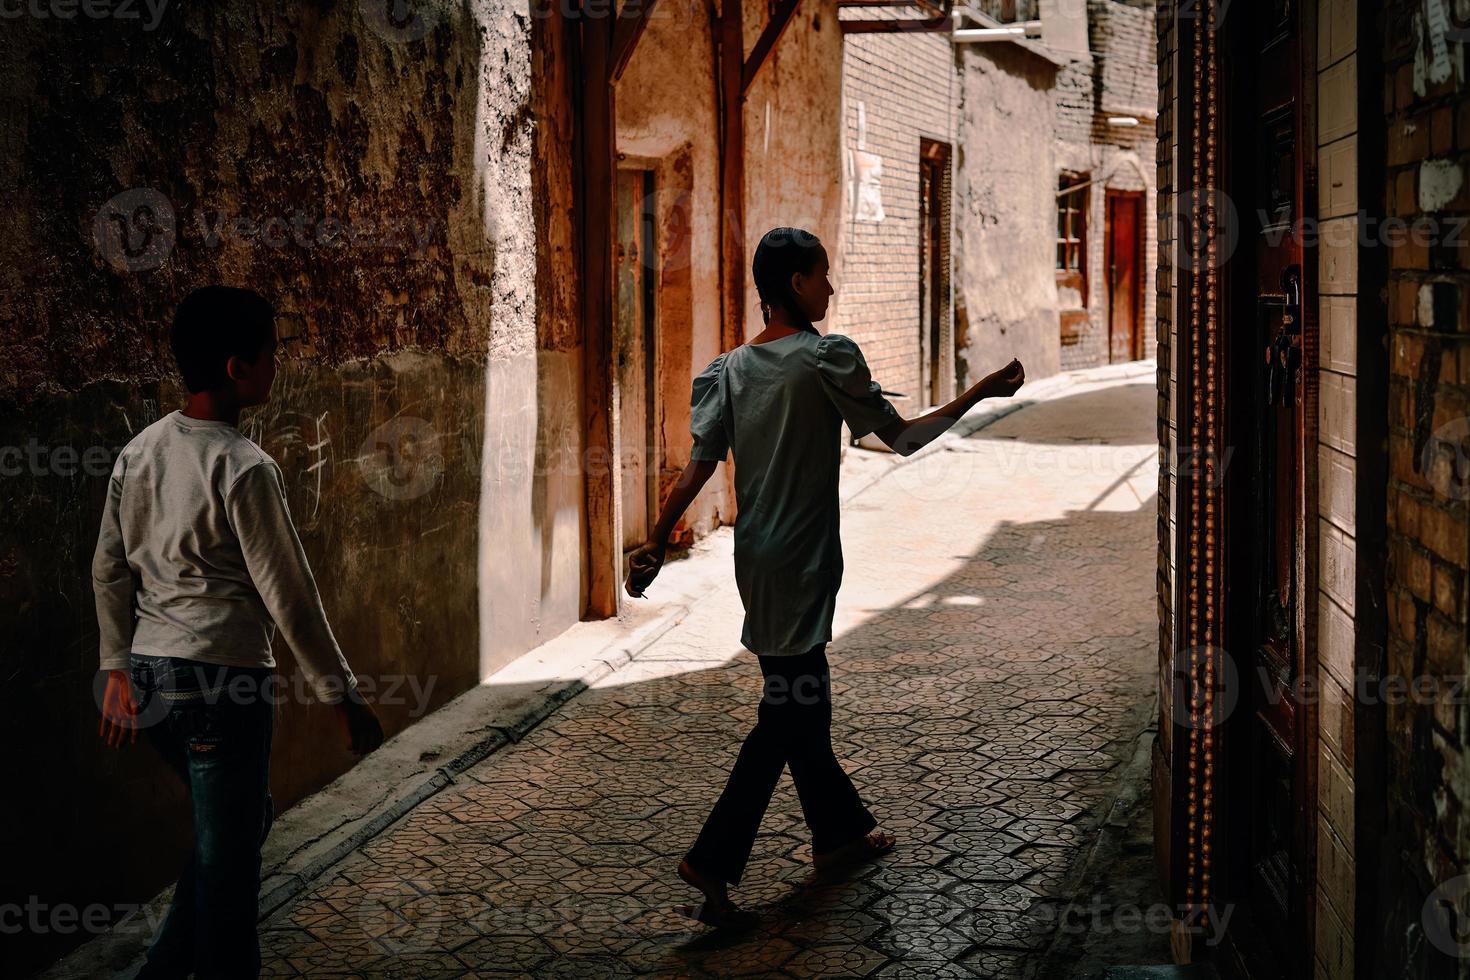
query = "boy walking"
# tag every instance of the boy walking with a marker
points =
(197, 565)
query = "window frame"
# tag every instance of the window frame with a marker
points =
(1071, 237)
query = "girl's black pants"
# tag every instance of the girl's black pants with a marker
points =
(793, 728)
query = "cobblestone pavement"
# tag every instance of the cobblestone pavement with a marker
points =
(992, 664)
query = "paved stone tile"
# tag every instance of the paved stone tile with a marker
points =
(994, 643)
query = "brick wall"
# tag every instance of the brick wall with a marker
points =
(1428, 142)
(896, 89)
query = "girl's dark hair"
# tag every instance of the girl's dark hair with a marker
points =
(782, 253)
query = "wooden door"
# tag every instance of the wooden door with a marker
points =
(1273, 745)
(1124, 260)
(633, 349)
(934, 336)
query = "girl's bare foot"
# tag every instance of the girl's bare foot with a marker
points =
(717, 909)
(865, 848)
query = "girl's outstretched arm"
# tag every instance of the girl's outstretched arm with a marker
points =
(908, 436)
(645, 563)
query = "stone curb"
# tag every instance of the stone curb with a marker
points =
(110, 952)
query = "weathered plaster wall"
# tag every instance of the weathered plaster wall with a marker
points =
(376, 182)
(532, 497)
(668, 122)
(1005, 213)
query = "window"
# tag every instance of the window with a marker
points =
(1072, 255)
(1072, 224)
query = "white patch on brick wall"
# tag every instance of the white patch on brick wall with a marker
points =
(1424, 316)
(1439, 182)
(1434, 60)
(868, 205)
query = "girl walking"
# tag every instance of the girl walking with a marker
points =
(778, 403)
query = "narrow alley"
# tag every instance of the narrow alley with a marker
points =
(992, 672)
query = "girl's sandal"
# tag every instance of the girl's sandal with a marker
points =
(727, 916)
(871, 845)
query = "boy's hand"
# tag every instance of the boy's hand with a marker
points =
(118, 725)
(1005, 382)
(359, 723)
(643, 566)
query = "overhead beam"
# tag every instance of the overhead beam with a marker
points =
(940, 23)
(632, 20)
(912, 25)
(781, 18)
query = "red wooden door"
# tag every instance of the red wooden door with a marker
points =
(1124, 260)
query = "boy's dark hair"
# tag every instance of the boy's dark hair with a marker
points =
(214, 324)
(782, 253)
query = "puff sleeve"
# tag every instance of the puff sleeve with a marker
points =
(707, 414)
(850, 387)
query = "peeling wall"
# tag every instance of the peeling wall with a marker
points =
(1005, 213)
(667, 121)
(377, 182)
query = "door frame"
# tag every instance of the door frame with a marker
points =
(1209, 302)
(1111, 197)
(649, 246)
(936, 331)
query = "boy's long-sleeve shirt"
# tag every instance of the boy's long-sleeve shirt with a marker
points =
(197, 558)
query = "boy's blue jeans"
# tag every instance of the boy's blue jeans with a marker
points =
(212, 725)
